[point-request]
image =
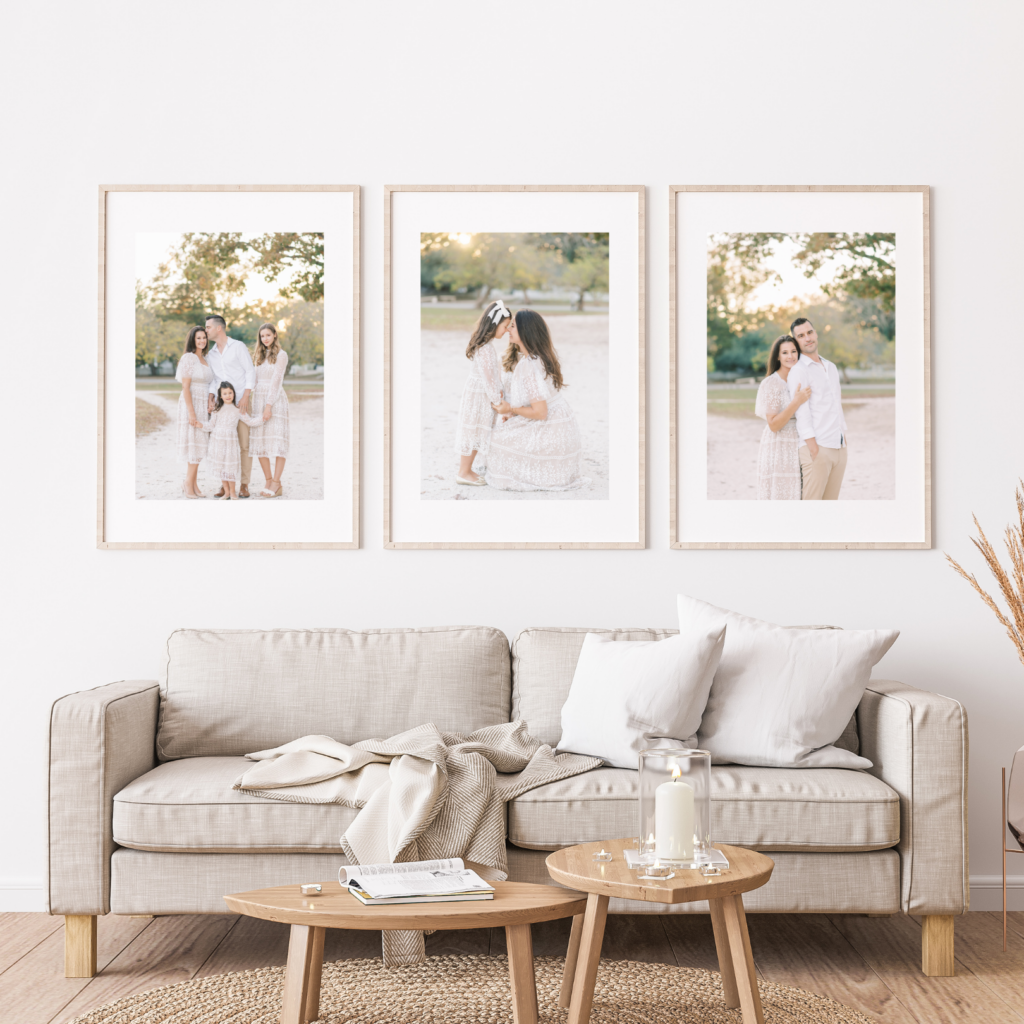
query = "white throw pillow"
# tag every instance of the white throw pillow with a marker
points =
(627, 695)
(781, 697)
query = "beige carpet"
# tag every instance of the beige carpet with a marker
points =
(465, 990)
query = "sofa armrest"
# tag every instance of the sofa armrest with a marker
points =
(917, 742)
(99, 741)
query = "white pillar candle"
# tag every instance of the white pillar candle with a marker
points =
(673, 820)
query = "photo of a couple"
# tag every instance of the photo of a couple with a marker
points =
(504, 425)
(812, 316)
(803, 446)
(254, 395)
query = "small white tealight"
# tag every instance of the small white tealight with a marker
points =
(656, 871)
(603, 855)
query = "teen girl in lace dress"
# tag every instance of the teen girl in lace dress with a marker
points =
(778, 461)
(482, 390)
(225, 453)
(194, 375)
(536, 446)
(269, 440)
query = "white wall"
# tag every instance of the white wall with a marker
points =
(655, 93)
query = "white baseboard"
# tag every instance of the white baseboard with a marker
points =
(22, 895)
(987, 892)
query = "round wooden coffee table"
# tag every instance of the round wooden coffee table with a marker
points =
(516, 905)
(576, 867)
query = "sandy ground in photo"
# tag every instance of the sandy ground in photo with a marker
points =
(582, 346)
(158, 473)
(733, 445)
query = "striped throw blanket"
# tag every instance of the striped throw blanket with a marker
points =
(423, 795)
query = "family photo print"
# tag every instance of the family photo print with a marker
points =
(523, 404)
(800, 365)
(512, 312)
(243, 362)
(218, 309)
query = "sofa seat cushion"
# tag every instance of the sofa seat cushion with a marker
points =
(188, 806)
(808, 809)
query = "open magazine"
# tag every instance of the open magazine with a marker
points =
(421, 881)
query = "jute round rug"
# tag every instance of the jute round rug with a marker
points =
(465, 990)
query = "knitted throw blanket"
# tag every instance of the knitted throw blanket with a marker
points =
(422, 795)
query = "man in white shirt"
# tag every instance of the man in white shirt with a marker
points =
(230, 361)
(819, 421)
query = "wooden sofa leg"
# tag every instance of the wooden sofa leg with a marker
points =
(79, 945)
(937, 945)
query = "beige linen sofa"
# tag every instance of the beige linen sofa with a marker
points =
(143, 819)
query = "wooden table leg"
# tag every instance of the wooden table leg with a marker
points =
(520, 968)
(572, 955)
(589, 958)
(296, 978)
(732, 996)
(316, 969)
(742, 959)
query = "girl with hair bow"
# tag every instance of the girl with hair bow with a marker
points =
(481, 392)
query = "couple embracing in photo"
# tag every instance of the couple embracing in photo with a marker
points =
(218, 381)
(803, 447)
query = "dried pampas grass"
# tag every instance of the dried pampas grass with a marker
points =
(1011, 582)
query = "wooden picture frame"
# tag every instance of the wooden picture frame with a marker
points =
(633, 535)
(348, 328)
(916, 529)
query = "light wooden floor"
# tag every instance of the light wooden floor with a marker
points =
(872, 964)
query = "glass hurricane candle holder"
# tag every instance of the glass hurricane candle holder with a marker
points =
(675, 806)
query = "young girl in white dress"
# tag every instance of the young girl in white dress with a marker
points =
(483, 389)
(194, 375)
(225, 453)
(270, 439)
(536, 446)
(778, 461)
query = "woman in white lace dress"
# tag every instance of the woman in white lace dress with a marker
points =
(224, 457)
(536, 446)
(482, 390)
(778, 464)
(193, 374)
(269, 440)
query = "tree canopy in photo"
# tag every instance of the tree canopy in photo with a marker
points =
(854, 313)
(482, 263)
(207, 273)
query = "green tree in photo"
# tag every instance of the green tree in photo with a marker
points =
(479, 264)
(736, 268)
(302, 254)
(856, 314)
(301, 327)
(202, 274)
(588, 272)
(868, 272)
(208, 273)
(157, 340)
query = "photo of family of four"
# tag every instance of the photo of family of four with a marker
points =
(220, 383)
(515, 430)
(803, 446)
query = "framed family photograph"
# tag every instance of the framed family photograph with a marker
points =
(799, 367)
(228, 403)
(514, 369)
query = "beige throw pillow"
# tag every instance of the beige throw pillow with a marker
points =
(627, 695)
(781, 697)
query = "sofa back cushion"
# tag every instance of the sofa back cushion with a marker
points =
(230, 692)
(544, 660)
